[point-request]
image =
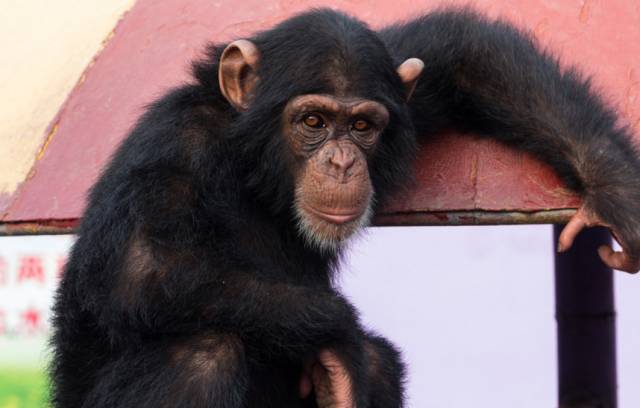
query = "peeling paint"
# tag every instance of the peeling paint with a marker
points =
(473, 175)
(584, 11)
(552, 216)
(108, 37)
(5, 201)
(541, 28)
(44, 146)
(42, 227)
(631, 94)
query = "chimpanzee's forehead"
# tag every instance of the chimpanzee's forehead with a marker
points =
(322, 38)
(325, 52)
(321, 51)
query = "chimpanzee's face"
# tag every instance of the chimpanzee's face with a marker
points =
(332, 140)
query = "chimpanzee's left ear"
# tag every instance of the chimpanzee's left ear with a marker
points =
(409, 72)
(237, 73)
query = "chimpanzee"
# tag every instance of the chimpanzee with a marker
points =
(202, 272)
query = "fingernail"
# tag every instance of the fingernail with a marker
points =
(560, 247)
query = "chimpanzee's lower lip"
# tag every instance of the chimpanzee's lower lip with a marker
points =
(340, 218)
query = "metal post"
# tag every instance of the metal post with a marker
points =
(585, 314)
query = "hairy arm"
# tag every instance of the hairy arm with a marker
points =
(492, 79)
(166, 289)
(170, 285)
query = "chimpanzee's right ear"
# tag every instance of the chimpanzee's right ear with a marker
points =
(409, 72)
(237, 73)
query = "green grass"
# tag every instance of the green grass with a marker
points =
(22, 388)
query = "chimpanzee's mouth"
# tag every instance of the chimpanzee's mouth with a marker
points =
(335, 217)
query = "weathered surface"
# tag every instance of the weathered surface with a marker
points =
(44, 51)
(460, 180)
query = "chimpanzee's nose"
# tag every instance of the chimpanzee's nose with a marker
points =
(342, 160)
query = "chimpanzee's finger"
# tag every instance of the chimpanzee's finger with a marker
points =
(339, 379)
(576, 224)
(618, 260)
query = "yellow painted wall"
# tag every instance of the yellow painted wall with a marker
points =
(45, 45)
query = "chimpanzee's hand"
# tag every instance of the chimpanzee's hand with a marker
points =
(332, 384)
(627, 260)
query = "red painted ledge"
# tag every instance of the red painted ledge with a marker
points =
(460, 180)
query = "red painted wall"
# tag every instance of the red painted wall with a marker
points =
(153, 44)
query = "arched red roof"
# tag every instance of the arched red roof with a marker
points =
(460, 180)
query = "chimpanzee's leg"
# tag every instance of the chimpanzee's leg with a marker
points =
(386, 373)
(189, 372)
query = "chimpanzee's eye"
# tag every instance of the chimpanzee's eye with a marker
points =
(313, 121)
(361, 125)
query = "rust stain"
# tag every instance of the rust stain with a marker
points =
(466, 219)
(68, 226)
(109, 36)
(631, 94)
(540, 28)
(83, 78)
(549, 216)
(473, 175)
(44, 146)
(5, 201)
(584, 11)
(442, 217)
(112, 33)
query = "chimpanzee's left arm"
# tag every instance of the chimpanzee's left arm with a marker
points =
(492, 79)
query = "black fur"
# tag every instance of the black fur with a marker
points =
(189, 285)
(491, 78)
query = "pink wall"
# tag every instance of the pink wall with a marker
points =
(472, 308)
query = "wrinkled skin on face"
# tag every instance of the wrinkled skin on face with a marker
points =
(332, 140)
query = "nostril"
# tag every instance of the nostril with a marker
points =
(349, 162)
(342, 161)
